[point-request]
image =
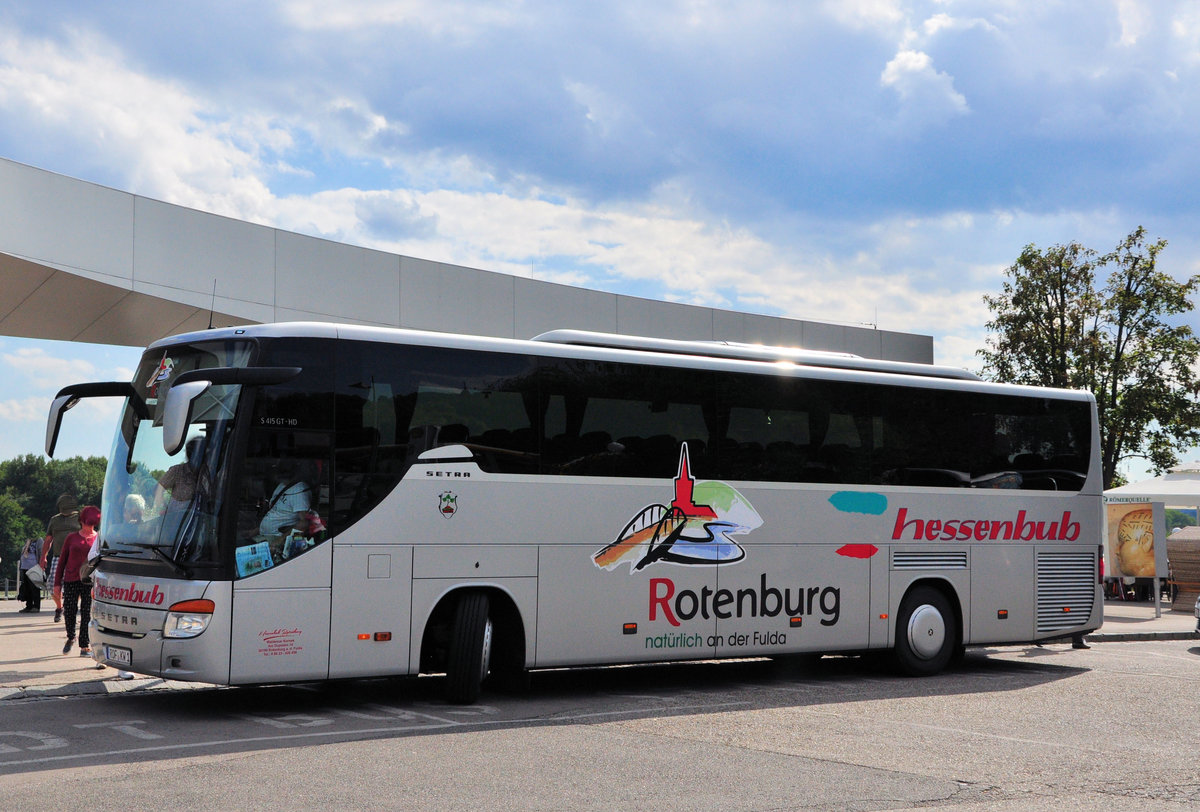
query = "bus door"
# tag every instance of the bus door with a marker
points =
(283, 560)
(281, 620)
(283, 557)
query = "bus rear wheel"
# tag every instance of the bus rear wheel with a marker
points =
(470, 654)
(926, 632)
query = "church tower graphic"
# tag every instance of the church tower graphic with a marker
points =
(695, 529)
(685, 487)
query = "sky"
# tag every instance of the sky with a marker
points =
(877, 162)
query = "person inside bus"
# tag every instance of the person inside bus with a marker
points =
(182, 479)
(288, 506)
(184, 482)
(134, 508)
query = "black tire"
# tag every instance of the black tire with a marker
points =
(469, 657)
(926, 632)
(508, 673)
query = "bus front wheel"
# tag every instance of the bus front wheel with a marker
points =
(926, 632)
(469, 657)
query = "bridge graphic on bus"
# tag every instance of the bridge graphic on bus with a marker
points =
(694, 530)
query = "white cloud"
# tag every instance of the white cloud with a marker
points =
(460, 19)
(352, 127)
(927, 94)
(687, 258)
(877, 14)
(604, 113)
(24, 410)
(169, 143)
(31, 372)
(1185, 29)
(940, 23)
(39, 369)
(1135, 19)
(958, 351)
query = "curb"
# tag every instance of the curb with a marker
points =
(1125, 637)
(108, 685)
(19, 692)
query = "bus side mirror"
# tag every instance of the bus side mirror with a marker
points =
(54, 420)
(68, 396)
(177, 414)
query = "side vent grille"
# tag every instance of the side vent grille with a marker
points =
(929, 561)
(1066, 590)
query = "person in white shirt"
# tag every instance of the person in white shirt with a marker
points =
(289, 501)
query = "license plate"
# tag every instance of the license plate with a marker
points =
(119, 655)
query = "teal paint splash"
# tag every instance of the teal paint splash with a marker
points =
(855, 502)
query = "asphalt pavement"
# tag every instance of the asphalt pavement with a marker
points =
(32, 664)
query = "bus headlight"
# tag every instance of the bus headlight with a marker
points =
(188, 618)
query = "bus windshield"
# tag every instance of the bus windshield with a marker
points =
(166, 506)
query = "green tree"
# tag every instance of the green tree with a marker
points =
(37, 482)
(29, 490)
(1179, 518)
(15, 527)
(1052, 326)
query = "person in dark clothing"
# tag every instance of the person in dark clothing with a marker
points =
(61, 525)
(28, 591)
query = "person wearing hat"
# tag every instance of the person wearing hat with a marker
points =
(61, 525)
(77, 593)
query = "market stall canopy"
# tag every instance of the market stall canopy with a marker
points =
(1179, 486)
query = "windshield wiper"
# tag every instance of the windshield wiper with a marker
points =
(154, 548)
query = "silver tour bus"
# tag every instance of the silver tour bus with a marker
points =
(310, 501)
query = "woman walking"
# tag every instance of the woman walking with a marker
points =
(77, 594)
(29, 591)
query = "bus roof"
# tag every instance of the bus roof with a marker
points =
(752, 352)
(570, 343)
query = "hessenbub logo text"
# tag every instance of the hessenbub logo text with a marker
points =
(1020, 528)
(130, 594)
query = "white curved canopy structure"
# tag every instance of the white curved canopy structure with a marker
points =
(81, 262)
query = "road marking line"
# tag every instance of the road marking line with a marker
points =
(350, 734)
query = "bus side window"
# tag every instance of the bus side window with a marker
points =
(284, 506)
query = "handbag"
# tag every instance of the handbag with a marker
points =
(36, 575)
(87, 568)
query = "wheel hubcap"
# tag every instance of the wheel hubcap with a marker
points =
(926, 631)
